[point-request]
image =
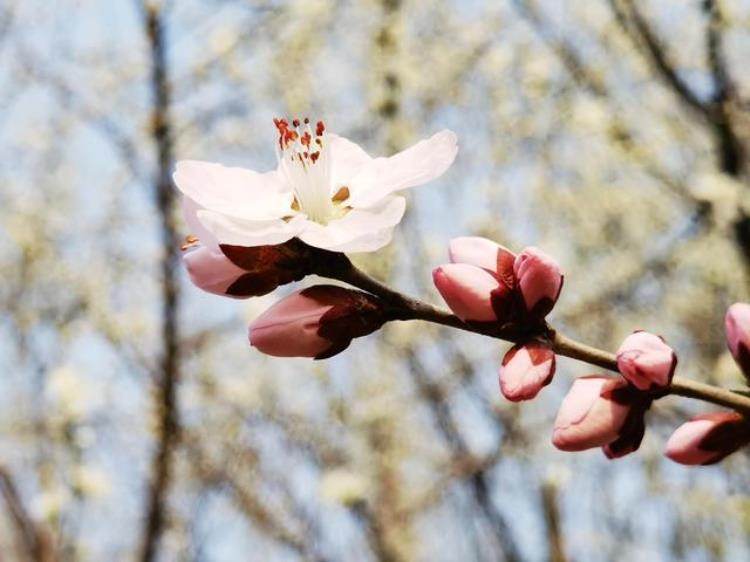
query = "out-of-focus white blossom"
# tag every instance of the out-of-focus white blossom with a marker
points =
(344, 486)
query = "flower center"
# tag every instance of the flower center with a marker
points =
(305, 159)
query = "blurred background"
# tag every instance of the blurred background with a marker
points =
(137, 424)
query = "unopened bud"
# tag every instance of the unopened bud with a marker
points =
(539, 279)
(737, 324)
(601, 411)
(318, 322)
(467, 290)
(708, 438)
(525, 370)
(646, 361)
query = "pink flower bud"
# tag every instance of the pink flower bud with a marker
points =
(318, 322)
(540, 281)
(525, 370)
(212, 271)
(481, 252)
(737, 324)
(238, 271)
(708, 438)
(467, 290)
(646, 361)
(600, 411)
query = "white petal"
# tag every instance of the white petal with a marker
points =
(416, 165)
(359, 230)
(190, 212)
(236, 192)
(347, 158)
(369, 242)
(230, 230)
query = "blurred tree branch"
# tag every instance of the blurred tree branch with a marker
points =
(167, 411)
(34, 542)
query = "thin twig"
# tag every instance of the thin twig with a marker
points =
(403, 307)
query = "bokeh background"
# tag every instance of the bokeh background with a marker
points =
(137, 424)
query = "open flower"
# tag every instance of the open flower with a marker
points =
(326, 190)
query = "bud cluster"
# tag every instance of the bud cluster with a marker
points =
(488, 287)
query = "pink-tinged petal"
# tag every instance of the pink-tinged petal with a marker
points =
(525, 370)
(586, 419)
(646, 361)
(540, 280)
(478, 251)
(467, 290)
(211, 270)
(708, 438)
(229, 230)
(359, 230)
(737, 323)
(423, 162)
(347, 158)
(236, 192)
(290, 328)
(316, 322)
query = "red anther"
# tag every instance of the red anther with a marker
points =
(295, 123)
(306, 154)
(319, 128)
(307, 120)
(306, 138)
(314, 156)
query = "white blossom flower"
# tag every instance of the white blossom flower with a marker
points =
(326, 191)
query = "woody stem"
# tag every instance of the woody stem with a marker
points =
(403, 307)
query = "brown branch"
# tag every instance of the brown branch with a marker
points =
(248, 502)
(645, 37)
(714, 111)
(33, 540)
(730, 150)
(407, 308)
(169, 371)
(476, 476)
(567, 55)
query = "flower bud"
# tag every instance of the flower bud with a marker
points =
(539, 279)
(737, 324)
(601, 411)
(238, 271)
(212, 271)
(480, 252)
(646, 361)
(708, 438)
(525, 370)
(318, 322)
(467, 290)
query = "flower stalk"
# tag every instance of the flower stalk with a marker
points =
(403, 307)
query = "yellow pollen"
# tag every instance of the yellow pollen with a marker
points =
(190, 241)
(341, 195)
